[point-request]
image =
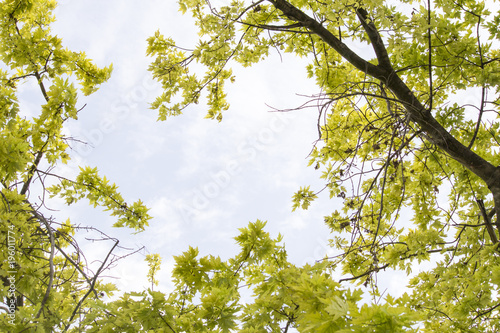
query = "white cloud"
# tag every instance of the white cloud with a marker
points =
(166, 226)
(178, 166)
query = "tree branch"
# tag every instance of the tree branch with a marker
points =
(481, 111)
(91, 289)
(429, 40)
(295, 14)
(375, 39)
(51, 261)
(487, 220)
(418, 114)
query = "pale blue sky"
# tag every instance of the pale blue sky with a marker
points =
(201, 179)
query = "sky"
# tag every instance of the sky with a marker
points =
(201, 179)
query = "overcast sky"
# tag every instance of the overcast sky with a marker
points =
(202, 179)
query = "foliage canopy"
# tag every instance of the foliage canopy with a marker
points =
(414, 163)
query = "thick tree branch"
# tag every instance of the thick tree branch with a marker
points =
(297, 15)
(418, 114)
(432, 130)
(375, 39)
(286, 28)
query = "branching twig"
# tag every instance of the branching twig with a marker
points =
(91, 289)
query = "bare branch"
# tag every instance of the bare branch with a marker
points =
(91, 289)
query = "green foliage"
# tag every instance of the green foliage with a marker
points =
(154, 263)
(411, 161)
(303, 198)
(45, 282)
(207, 297)
(99, 192)
(413, 165)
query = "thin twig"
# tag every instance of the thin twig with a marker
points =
(51, 261)
(94, 280)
